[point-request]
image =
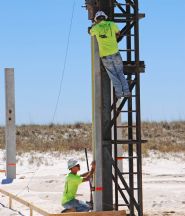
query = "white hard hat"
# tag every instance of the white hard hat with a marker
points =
(72, 163)
(100, 13)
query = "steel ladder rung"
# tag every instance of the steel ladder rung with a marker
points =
(132, 188)
(130, 35)
(127, 157)
(124, 4)
(125, 126)
(122, 204)
(128, 111)
(127, 173)
(127, 50)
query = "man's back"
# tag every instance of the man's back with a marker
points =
(105, 32)
(71, 185)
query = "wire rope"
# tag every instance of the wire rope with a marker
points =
(65, 61)
(60, 88)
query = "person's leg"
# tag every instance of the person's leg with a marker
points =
(118, 64)
(68, 210)
(109, 66)
(70, 205)
(80, 206)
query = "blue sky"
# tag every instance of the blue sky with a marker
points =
(33, 37)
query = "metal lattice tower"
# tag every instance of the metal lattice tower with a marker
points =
(127, 183)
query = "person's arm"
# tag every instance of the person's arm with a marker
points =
(89, 175)
(118, 34)
(91, 30)
(84, 174)
(116, 30)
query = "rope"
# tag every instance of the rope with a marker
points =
(65, 60)
(59, 94)
(27, 186)
(60, 88)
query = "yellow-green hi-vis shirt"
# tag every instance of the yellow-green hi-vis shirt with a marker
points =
(71, 185)
(105, 32)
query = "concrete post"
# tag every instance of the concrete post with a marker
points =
(10, 131)
(97, 125)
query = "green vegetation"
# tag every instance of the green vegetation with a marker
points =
(161, 136)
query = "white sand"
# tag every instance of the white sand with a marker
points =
(163, 183)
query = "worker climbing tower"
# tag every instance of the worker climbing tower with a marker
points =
(114, 188)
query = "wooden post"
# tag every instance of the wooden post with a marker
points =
(10, 133)
(31, 211)
(10, 203)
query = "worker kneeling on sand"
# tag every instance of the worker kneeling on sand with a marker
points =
(72, 181)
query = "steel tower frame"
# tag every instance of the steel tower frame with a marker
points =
(127, 183)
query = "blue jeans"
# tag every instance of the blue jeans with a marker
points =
(114, 67)
(80, 206)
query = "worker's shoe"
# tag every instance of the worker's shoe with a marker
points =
(68, 210)
(90, 203)
(119, 97)
(127, 94)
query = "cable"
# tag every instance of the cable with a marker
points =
(65, 60)
(60, 88)
(29, 181)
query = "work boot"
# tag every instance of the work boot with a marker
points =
(90, 203)
(127, 94)
(68, 210)
(118, 97)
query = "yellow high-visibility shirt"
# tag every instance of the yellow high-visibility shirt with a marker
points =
(72, 182)
(105, 32)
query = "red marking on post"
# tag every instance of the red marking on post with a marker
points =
(2, 171)
(11, 164)
(120, 158)
(99, 188)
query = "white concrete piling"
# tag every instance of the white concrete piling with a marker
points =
(10, 130)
